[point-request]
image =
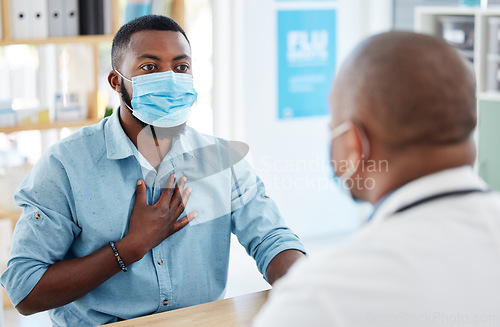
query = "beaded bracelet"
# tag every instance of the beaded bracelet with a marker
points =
(120, 261)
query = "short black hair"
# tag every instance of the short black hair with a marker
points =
(143, 23)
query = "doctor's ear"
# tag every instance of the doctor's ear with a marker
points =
(355, 140)
(114, 81)
(362, 144)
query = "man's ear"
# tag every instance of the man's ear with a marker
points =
(362, 140)
(114, 81)
(355, 143)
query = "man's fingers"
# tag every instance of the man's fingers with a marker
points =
(140, 192)
(191, 216)
(184, 221)
(182, 205)
(179, 189)
(166, 196)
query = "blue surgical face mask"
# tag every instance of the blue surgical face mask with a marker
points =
(162, 99)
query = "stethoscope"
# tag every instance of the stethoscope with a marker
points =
(431, 198)
(438, 197)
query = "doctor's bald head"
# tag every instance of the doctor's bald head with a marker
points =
(405, 98)
(407, 89)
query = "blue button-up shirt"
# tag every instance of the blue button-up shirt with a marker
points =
(80, 195)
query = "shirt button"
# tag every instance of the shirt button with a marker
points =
(165, 302)
(37, 216)
(160, 261)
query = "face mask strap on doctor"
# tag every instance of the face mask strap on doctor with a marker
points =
(341, 181)
(162, 99)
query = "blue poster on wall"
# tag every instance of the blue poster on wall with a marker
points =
(306, 61)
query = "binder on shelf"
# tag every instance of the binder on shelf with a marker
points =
(20, 27)
(92, 20)
(99, 5)
(108, 17)
(56, 18)
(71, 17)
(87, 10)
(38, 19)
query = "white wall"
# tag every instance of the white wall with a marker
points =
(1, 311)
(290, 155)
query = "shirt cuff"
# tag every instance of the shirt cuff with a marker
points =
(277, 250)
(19, 280)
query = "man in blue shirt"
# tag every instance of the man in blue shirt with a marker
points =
(167, 196)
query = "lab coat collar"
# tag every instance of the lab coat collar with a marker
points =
(449, 180)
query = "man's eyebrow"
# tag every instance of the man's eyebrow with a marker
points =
(184, 56)
(148, 56)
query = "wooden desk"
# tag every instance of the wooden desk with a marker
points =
(234, 312)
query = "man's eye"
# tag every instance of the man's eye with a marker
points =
(148, 67)
(182, 68)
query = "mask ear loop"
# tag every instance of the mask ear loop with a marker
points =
(339, 130)
(343, 128)
(128, 80)
(336, 132)
(364, 139)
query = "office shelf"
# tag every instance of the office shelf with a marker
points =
(487, 133)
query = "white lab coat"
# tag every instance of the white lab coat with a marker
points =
(436, 264)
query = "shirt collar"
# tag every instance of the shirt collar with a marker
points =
(454, 179)
(119, 146)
